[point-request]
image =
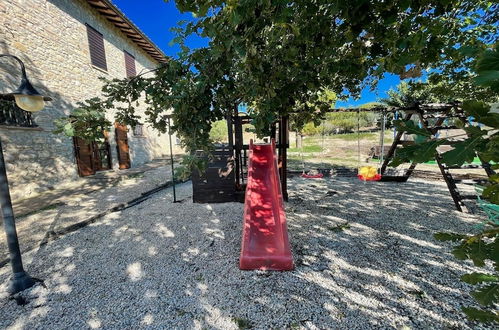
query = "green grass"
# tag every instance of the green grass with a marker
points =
(355, 136)
(371, 136)
(339, 149)
(308, 148)
(476, 161)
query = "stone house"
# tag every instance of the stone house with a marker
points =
(66, 46)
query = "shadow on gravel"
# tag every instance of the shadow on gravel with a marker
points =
(365, 258)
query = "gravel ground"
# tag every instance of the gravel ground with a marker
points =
(76, 206)
(365, 258)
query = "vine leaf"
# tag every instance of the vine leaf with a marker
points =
(475, 278)
(68, 129)
(448, 237)
(465, 151)
(481, 113)
(488, 69)
(491, 193)
(410, 127)
(418, 153)
(480, 315)
(487, 295)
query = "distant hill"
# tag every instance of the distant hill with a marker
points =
(370, 105)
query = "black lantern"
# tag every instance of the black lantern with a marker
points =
(26, 96)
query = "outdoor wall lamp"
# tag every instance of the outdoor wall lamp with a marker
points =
(27, 98)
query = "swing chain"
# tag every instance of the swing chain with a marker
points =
(358, 139)
(382, 139)
(302, 154)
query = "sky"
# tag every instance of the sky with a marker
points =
(157, 17)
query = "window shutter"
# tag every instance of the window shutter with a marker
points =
(130, 65)
(96, 46)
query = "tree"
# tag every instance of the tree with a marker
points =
(280, 57)
(219, 131)
(407, 94)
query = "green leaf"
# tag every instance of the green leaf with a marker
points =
(469, 51)
(494, 178)
(460, 253)
(488, 69)
(448, 237)
(175, 40)
(475, 278)
(418, 153)
(487, 295)
(476, 109)
(480, 315)
(426, 151)
(491, 193)
(488, 78)
(465, 151)
(68, 129)
(481, 112)
(411, 128)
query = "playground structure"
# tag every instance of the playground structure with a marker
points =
(226, 177)
(435, 119)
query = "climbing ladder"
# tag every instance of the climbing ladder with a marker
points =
(439, 114)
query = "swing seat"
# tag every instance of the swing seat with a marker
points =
(312, 176)
(369, 173)
(377, 177)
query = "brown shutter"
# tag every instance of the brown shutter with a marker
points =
(122, 146)
(96, 46)
(130, 65)
(84, 157)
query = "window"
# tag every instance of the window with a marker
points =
(96, 47)
(138, 130)
(12, 115)
(130, 65)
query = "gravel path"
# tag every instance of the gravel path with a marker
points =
(77, 205)
(364, 260)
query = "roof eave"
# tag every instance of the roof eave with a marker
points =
(112, 13)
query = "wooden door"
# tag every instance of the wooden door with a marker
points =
(122, 146)
(84, 153)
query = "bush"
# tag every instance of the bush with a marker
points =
(341, 122)
(219, 132)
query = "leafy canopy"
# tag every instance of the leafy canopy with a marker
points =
(281, 57)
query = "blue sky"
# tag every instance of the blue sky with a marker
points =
(157, 17)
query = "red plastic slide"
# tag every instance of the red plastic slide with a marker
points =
(265, 233)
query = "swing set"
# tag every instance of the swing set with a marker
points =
(225, 179)
(364, 173)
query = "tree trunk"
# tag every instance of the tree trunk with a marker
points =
(299, 139)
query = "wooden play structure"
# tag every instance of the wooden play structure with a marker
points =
(226, 177)
(436, 118)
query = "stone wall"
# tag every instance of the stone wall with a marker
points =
(50, 37)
